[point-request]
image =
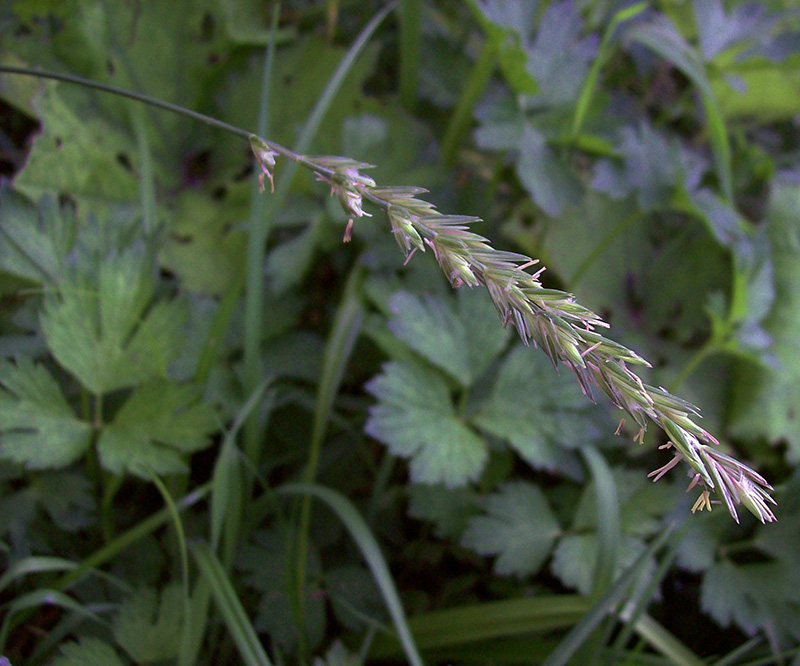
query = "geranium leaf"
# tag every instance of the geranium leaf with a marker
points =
(88, 652)
(148, 624)
(540, 413)
(447, 508)
(461, 340)
(35, 239)
(575, 558)
(104, 329)
(764, 400)
(416, 419)
(158, 424)
(37, 426)
(519, 528)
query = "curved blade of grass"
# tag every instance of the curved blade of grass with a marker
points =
(123, 541)
(667, 43)
(590, 84)
(479, 77)
(662, 640)
(226, 480)
(196, 621)
(346, 328)
(44, 564)
(37, 598)
(147, 181)
(34, 565)
(410, 40)
(180, 537)
(486, 621)
(131, 536)
(637, 605)
(606, 604)
(608, 520)
(230, 607)
(735, 656)
(371, 552)
(608, 536)
(258, 229)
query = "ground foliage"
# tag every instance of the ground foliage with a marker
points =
(645, 152)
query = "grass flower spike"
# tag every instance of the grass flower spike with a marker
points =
(547, 318)
(266, 160)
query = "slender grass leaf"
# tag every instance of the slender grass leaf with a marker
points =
(608, 521)
(666, 643)
(587, 624)
(474, 86)
(481, 622)
(662, 37)
(34, 565)
(230, 607)
(43, 597)
(227, 478)
(355, 598)
(410, 14)
(370, 551)
(590, 84)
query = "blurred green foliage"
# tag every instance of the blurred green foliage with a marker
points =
(646, 152)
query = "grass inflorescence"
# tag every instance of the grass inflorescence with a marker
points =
(548, 318)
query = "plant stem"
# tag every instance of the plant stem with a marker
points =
(130, 94)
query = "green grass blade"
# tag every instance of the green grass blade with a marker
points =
(44, 597)
(258, 230)
(606, 604)
(670, 46)
(371, 552)
(196, 621)
(462, 115)
(230, 607)
(131, 536)
(486, 621)
(410, 41)
(590, 84)
(608, 520)
(343, 336)
(147, 179)
(180, 537)
(644, 594)
(226, 480)
(608, 537)
(335, 82)
(346, 328)
(34, 565)
(662, 640)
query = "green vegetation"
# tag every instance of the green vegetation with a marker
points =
(228, 437)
